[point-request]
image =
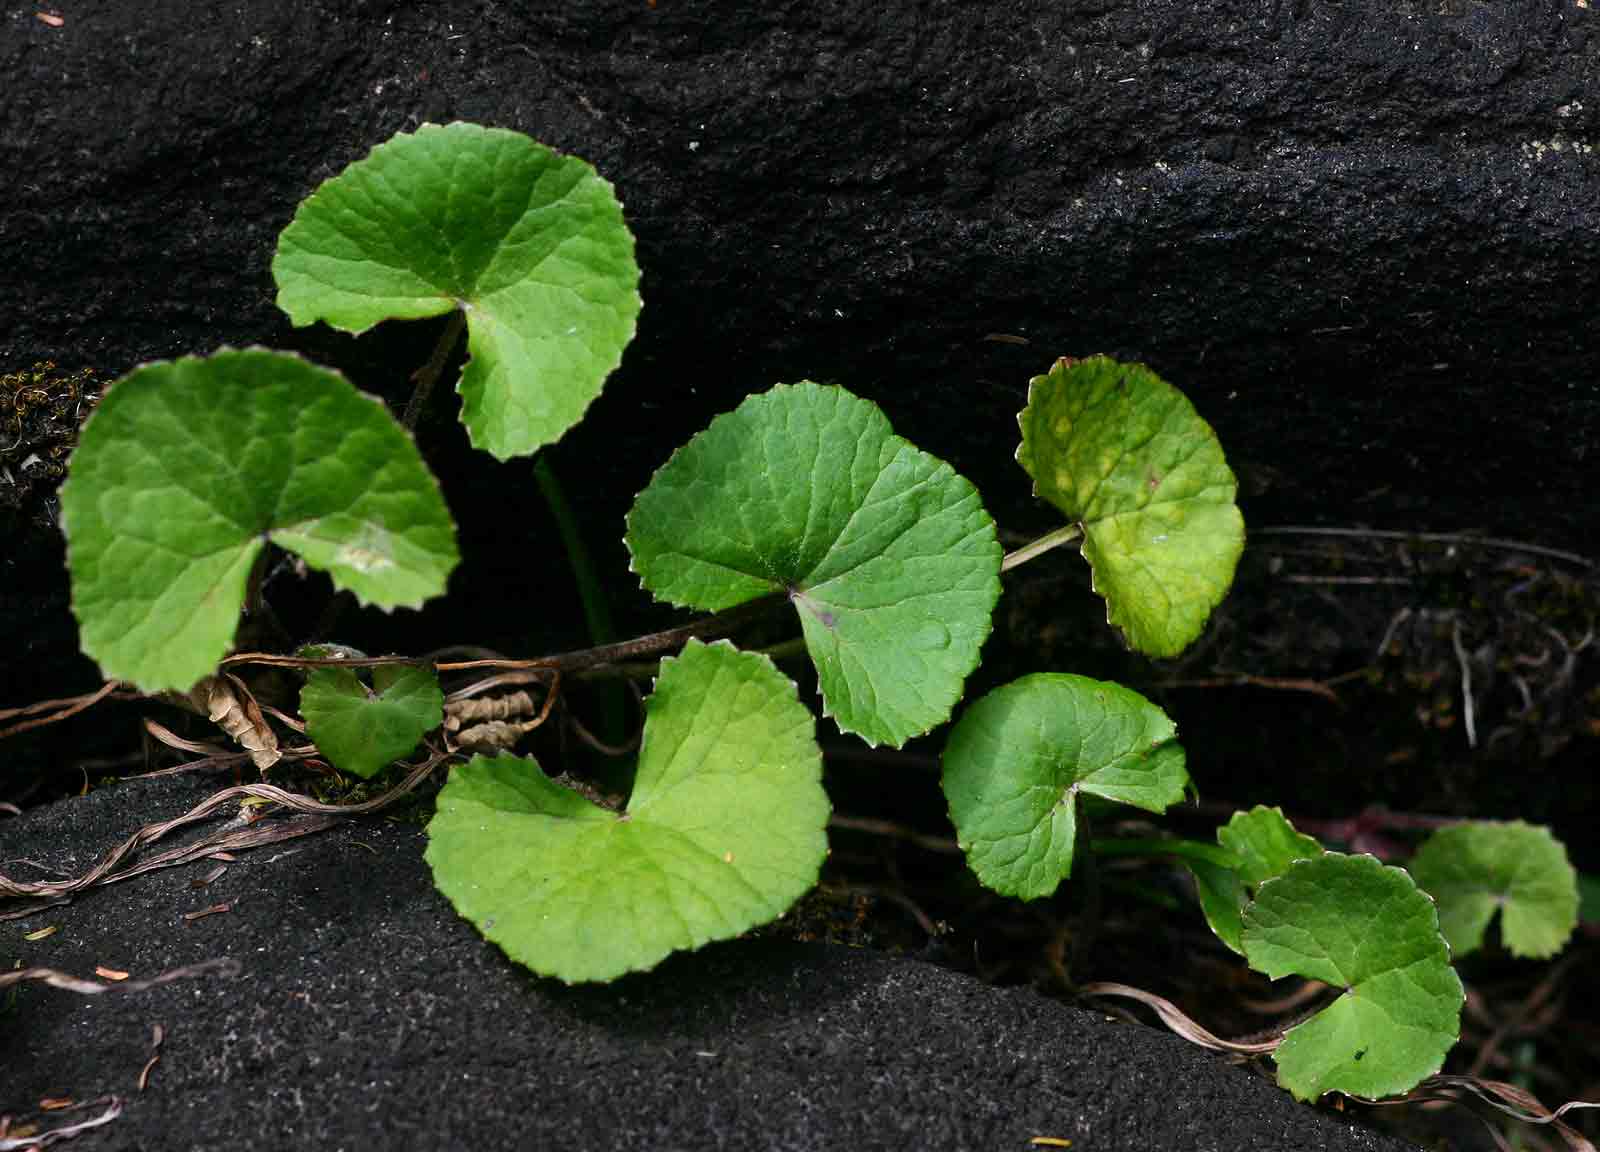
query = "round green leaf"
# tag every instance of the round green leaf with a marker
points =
(724, 831)
(1017, 760)
(1265, 843)
(530, 243)
(1521, 870)
(188, 467)
(362, 729)
(886, 553)
(1356, 924)
(1117, 449)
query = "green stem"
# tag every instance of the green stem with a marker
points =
(1040, 546)
(427, 376)
(1194, 849)
(596, 609)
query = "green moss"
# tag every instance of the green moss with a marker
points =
(41, 411)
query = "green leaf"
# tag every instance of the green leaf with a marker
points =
(886, 553)
(361, 729)
(724, 831)
(530, 243)
(1265, 843)
(1117, 449)
(1019, 758)
(1222, 899)
(1521, 870)
(1355, 924)
(1588, 898)
(1259, 845)
(189, 467)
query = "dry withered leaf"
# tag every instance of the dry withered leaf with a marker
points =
(231, 707)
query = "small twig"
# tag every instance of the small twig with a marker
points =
(157, 1035)
(1468, 707)
(227, 966)
(1175, 1019)
(70, 706)
(1463, 539)
(1281, 683)
(504, 680)
(895, 831)
(38, 1139)
(599, 745)
(1535, 1000)
(320, 816)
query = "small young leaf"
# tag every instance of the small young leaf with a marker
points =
(1017, 760)
(1474, 869)
(724, 831)
(1265, 843)
(530, 243)
(1222, 899)
(886, 553)
(1119, 450)
(1356, 924)
(188, 467)
(1259, 844)
(361, 730)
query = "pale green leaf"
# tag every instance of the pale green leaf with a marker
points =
(1017, 761)
(1519, 870)
(724, 831)
(1265, 843)
(362, 729)
(189, 467)
(530, 243)
(886, 553)
(1360, 926)
(1115, 448)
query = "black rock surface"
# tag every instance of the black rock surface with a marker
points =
(365, 1014)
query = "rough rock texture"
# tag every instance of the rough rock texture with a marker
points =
(367, 1015)
(1365, 235)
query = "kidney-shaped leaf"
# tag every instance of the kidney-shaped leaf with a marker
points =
(886, 553)
(1472, 870)
(725, 829)
(188, 467)
(1017, 760)
(1356, 924)
(531, 243)
(362, 729)
(1117, 449)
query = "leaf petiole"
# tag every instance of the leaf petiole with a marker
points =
(1040, 546)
